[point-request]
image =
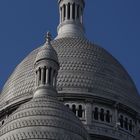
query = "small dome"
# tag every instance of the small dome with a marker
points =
(47, 51)
(43, 118)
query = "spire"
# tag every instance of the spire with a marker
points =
(48, 38)
(71, 18)
(46, 70)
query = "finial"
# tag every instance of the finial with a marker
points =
(48, 38)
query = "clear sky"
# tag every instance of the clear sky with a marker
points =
(113, 24)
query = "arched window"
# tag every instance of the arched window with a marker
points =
(74, 109)
(50, 72)
(96, 114)
(68, 10)
(73, 11)
(64, 11)
(108, 116)
(80, 111)
(130, 126)
(78, 11)
(44, 72)
(102, 115)
(121, 121)
(67, 105)
(126, 124)
(61, 13)
(39, 76)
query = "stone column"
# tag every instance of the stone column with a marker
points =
(62, 13)
(71, 12)
(115, 118)
(52, 75)
(47, 76)
(88, 113)
(37, 78)
(66, 14)
(76, 11)
(42, 75)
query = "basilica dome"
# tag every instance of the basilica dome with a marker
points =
(84, 67)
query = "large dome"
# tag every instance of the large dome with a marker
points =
(85, 68)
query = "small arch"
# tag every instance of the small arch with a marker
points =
(96, 114)
(74, 109)
(108, 116)
(102, 115)
(73, 10)
(68, 11)
(80, 111)
(121, 121)
(67, 105)
(130, 126)
(126, 124)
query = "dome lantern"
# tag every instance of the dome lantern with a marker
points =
(71, 18)
(46, 69)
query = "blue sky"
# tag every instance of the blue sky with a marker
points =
(113, 24)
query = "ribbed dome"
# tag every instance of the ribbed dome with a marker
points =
(85, 68)
(43, 118)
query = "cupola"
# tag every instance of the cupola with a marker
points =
(71, 18)
(46, 69)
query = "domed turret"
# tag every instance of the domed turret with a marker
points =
(44, 117)
(46, 67)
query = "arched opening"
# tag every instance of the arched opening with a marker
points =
(44, 75)
(108, 116)
(64, 11)
(68, 10)
(73, 11)
(121, 121)
(74, 109)
(126, 124)
(96, 114)
(61, 14)
(102, 115)
(50, 72)
(78, 11)
(80, 111)
(130, 126)
(67, 105)
(39, 80)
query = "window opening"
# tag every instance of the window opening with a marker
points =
(108, 116)
(126, 124)
(74, 109)
(102, 115)
(96, 114)
(68, 10)
(80, 111)
(121, 121)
